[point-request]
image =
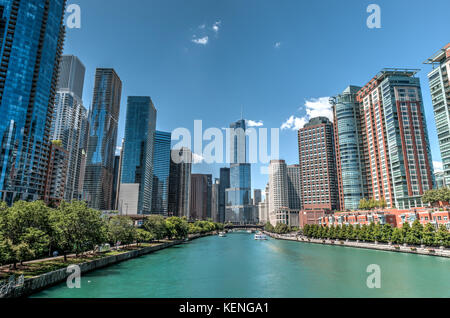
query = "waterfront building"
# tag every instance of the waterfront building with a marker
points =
(262, 213)
(161, 171)
(317, 165)
(137, 163)
(116, 181)
(69, 122)
(28, 79)
(439, 81)
(440, 180)
(395, 217)
(238, 207)
(398, 149)
(200, 202)
(224, 184)
(350, 151)
(294, 186)
(180, 182)
(55, 181)
(215, 200)
(102, 138)
(257, 197)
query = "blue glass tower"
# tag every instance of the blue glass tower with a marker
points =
(102, 139)
(161, 171)
(31, 40)
(137, 164)
(238, 196)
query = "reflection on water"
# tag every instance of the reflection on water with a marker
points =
(238, 266)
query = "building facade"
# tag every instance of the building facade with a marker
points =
(200, 202)
(224, 184)
(161, 172)
(180, 182)
(55, 181)
(30, 52)
(69, 124)
(439, 81)
(350, 152)
(102, 138)
(137, 163)
(294, 186)
(317, 164)
(215, 200)
(398, 149)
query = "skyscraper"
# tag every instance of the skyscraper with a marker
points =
(238, 196)
(224, 184)
(30, 51)
(317, 164)
(137, 163)
(161, 172)
(215, 200)
(439, 81)
(294, 187)
(257, 197)
(69, 122)
(180, 182)
(349, 145)
(55, 181)
(102, 138)
(200, 202)
(398, 149)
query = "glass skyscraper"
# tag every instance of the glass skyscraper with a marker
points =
(161, 171)
(31, 41)
(238, 196)
(137, 163)
(69, 122)
(352, 177)
(102, 138)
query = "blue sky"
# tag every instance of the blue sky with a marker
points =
(274, 58)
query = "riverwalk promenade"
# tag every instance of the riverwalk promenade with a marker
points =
(404, 248)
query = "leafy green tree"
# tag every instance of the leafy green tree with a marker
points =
(397, 236)
(156, 225)
(23, 253)
(415, 234)
(429, 235)
(386, 233)
(36, 240)
(269, 227)
(7, 253)
(377, 232)
(357, 232)
(178, 228)
(442, 236)
(121, 229)
(78, 228)
(143, 236)
(365, 235)
(282, 228)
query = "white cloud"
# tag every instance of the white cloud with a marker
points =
(294, 123)
(315, 107)
(252, 123)
(216, 26)
(202, 41)
(196, 158)
(438, 166)
(118, 150)
(277, 45)
(201, 27)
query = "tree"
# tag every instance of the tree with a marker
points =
(7, 254)
(121, 229)
(23, 253)
(414, 235)
(178, 228)
(377, 232)
(156, 225)
(429, 235)
(386, 233)
(143, 236)
(442, 236)
(282, 228)
(269, 228)
(397, 236)
(78, 228)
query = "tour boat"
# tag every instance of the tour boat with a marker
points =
(260, 237)
(222, 234)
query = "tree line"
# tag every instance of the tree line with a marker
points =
(436, 195)
(415, 234)
(371, 204)
(280, 228)
(32, 230)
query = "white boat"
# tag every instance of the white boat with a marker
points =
(249, 231)
(222, 234)
(260, 237)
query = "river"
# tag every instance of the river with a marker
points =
(238, 266)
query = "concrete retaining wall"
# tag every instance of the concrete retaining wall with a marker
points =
(431, 251)
(39, 283)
